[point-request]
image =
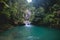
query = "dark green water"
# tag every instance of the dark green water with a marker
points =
(30, 33)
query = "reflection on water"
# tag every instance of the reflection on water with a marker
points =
(30, 33)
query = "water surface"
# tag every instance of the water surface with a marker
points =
(30, 33)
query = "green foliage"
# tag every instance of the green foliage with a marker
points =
(49, 18)
(15, 9)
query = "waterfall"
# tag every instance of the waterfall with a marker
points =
(26, 17)
(27, 23)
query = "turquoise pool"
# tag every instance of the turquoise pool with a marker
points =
(30, 32)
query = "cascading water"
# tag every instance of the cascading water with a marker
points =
(26, 17)
(27, 23)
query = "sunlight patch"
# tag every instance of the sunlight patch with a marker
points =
(29, 1)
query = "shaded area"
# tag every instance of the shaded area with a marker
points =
(43, 12)
(30, 33)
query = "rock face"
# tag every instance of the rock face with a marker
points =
(27, 17)
(27, 14)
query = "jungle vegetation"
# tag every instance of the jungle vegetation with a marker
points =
(44, 13)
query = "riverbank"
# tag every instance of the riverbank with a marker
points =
(5, 27)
